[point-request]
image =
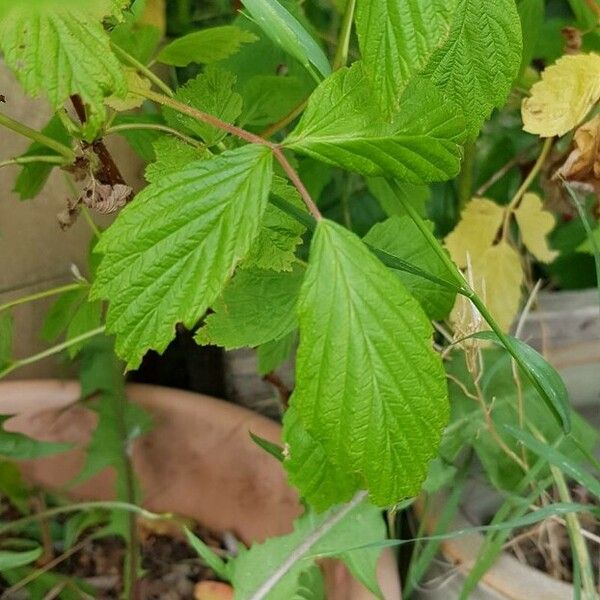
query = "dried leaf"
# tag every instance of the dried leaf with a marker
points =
(564, 96)
(476, 231)
(535, 224)
(584, 161)
(106, 198)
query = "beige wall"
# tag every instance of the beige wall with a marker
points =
(35, 254)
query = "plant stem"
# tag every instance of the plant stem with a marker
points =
(300, 551)
(51, 351)
(128, 482)
(466, 177)
(157, 81)
(156, 127)
(39, 295)
(81, 506)
(578, 544)
(247, 136)
(24, 160)
(516, 199)
(37, 136)
(466, 291)
(341, 55)
(295, 179)
(432, 240)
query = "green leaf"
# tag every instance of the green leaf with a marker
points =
(211, 92)
(87, 317)
(205, 46)
(172, 155)
(310, 468)
(59, 47)
(558, 459)
(140, 41)
(17, 446)
(341, 128)
(345, 526)
(400, 237)
(397, 38)
(274, 450)
(119, 422)
(481, 57)
(417, 195)
(546, 379)
(273, 354)
(471, 50)
(6, 340)
(33, 176)
(280, 234)
(170, 252)
(11, 560)
(287, 32)
(311, 585)
(369, 386)
(256, 307)
(61, 313)
(207, 555)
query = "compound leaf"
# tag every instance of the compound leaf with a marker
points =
(258, 306)
(370, 389)
(340, 128)
(60, 48)
(471, 50)
(170, 252)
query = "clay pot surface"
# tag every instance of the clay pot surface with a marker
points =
(198, 461)
(507, 579)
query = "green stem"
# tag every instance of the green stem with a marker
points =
(578, 544)
(432, 240)
(50, 351)
(71, 508)
(24, 160)
(157, 81)
(466, 291)
(580, 549)
(40, 295)
(37, 136)
(466, 177)
(341, 55)
(155, 127)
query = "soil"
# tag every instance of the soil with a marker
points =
(171, 568)
(546, 546)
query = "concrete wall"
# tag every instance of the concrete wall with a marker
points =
(35, 254)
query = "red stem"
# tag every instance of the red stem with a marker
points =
(244, 135)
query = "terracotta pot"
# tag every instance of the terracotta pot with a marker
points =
(198, 461)
(508, 579)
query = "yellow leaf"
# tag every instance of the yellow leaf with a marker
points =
(535, 224)
(476, 231)
(565, 95)
(131, 100)
(497, 277)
